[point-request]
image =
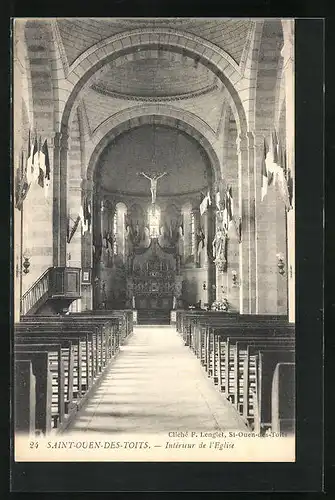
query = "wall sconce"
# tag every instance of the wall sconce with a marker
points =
(26, 265)
(204, 286)
(234, 278)
(280, 263)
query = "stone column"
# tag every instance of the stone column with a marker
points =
(211, 269)
(56, 196)
(63, 194)
(196, 215)
(246, 175)
(86, 251)
(288, 74)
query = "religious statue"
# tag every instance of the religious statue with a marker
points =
(146, 237)
(200, 236)
(180, 249)
(153, 184)
(219, 249)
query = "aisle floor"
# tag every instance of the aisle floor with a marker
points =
(155, 385)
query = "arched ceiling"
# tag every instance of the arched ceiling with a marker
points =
(153, 149)
(80, 34)
(155, 73)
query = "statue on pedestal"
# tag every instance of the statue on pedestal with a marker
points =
(219, 246)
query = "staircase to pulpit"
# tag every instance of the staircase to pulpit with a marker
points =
(154, 283)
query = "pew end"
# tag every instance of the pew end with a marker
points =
(25, 398)
(283, 399)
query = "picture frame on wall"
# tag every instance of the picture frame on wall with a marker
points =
(86, 276)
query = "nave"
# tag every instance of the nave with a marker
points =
(155, 386)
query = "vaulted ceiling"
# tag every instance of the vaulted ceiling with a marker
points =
(153, 73)
(80, 34)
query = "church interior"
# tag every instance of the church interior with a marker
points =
(154, 224)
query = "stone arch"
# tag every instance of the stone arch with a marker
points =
(216, 59)
(134, 118)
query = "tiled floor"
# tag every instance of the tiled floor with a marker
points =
(155, 385)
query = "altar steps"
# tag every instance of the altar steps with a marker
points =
(153, 317)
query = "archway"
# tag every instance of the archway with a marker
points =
(96, 189)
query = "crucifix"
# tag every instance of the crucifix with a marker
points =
(153, 184)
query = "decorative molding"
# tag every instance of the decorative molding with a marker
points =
(160, 110)
(188, 95)
(118, 193)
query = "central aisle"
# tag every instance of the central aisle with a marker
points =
(155, 385)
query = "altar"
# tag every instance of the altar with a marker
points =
(153, 281)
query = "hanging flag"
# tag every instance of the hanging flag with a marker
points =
(274, 147)
(85, 215)
(239, 229)
(271, 158)
(264, 172)
(35, 162)
(88, 214)
(290, 186)
(209, 198)
(21, 185)
(71, 232)
(282, 181)
(203, 205)
(46, 160)
(229, 205)
(30, 159)
(41, 175)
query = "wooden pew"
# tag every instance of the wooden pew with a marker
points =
(70, 364)
(90, 358)
(56, 368)
(283, 398)
(94, 342)
(200, 320)
(124, 317)
(240, 354)
(25, 397)
(207, 343)
(40, 361)
(109, 327)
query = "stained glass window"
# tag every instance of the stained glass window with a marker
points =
(192, 234)
(115, 232)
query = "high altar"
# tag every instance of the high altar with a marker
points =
(153, 278)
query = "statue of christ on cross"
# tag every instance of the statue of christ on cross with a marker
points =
(153, 184)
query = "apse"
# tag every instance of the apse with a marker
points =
(154, 150)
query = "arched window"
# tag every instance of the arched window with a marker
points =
(115, 233)
(154, 220)
(192, 234)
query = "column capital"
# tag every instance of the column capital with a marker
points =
(242, 143)
(251, 138)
